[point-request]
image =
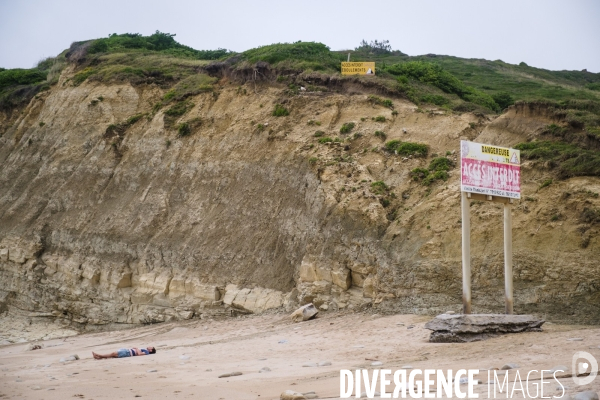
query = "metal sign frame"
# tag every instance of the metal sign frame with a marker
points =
(466, 197)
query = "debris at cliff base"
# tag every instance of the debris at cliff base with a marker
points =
(474, 327)
(304, 313)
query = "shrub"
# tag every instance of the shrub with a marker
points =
(503, 99)
(589, 215)
(375, 47)
(379, 118)
(280, 111)
(436, 99)
(379, 187)
(325, 140)
(594, 86)
(392, 145)
(437, 175)
(413, 149)
(19, 76)
(379, 101)
(418, 174)
(312, 122)
(313, 160)
(183, 129)
(437, 170)
(347, 127)
(299, 55)
(319, 133)
(441, 164)
(407, 148)
(158, 41)
(380, 135)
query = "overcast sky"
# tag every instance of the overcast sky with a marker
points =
(547, 34)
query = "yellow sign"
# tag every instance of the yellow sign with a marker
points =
(358, 68)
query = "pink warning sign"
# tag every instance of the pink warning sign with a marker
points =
(490, 170)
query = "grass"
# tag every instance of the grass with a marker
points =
(435, 75)
(441, 80)
(138, 68)
(190, 86)
(301, 56)
(178, 109)
(567, 159)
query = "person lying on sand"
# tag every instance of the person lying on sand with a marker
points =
(126, 353)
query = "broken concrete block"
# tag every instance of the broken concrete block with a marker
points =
(304, 313)
(473, 327)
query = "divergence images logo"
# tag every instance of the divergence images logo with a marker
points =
(580, 366)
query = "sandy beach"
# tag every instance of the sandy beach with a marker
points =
(192, 355)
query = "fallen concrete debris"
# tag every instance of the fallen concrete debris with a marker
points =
(462, 328)
(304, 313)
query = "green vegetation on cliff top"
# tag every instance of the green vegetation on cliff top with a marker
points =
(450, 83)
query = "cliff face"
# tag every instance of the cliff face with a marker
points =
(133, 223)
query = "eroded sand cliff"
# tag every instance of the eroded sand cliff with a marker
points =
(105, 226)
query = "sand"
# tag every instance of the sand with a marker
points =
(192, 355)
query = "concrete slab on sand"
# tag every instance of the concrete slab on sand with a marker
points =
(462, 328)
